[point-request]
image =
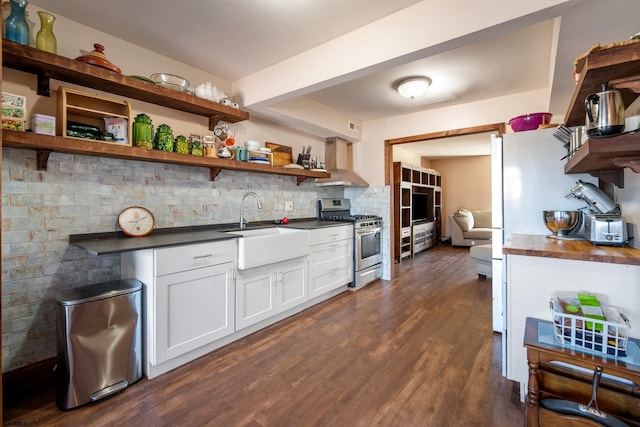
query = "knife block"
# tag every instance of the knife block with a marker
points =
(303, 160)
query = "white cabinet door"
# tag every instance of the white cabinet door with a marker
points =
(267, 291)
(255, 296)
(292, 287)
(193, 308)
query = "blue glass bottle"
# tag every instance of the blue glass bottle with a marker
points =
(17, 27)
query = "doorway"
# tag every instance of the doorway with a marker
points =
(498, 128)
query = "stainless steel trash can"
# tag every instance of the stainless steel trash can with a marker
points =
(99, 337)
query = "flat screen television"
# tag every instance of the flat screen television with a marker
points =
(419, 207)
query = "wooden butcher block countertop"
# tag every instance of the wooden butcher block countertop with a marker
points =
(580, 250)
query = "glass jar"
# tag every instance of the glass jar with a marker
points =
(209, 146)
(142, 131)
(164, 138)
(182, 144)
(196, 145)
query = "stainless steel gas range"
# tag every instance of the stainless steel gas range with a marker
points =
(367, 239)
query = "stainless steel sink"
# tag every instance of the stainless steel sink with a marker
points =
(264, 246)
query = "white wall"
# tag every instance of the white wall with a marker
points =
(370, 151)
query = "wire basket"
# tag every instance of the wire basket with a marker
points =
(607, 337)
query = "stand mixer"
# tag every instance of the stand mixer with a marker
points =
(604, 224)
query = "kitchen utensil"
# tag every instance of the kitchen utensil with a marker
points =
(96, 57)
(597, 200)
(529, 121)
(171, 81)
(605, 229)
(560, 223)
(282, 154)
(589, 412)
(209, 146)
(605, 112)
(563, 133)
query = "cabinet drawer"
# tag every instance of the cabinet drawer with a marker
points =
(330, 234)
(330, 253)
(188, 257)
(321, 282)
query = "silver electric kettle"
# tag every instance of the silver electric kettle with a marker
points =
(605, 113)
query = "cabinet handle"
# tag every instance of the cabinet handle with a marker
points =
(576, 368)
(202, 256)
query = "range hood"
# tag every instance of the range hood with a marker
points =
(339, 163)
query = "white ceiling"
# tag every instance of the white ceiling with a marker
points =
(232, 39)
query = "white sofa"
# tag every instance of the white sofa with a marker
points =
(470, 227)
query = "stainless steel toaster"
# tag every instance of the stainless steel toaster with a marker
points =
(604, 229)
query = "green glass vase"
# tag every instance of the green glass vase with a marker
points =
(45, 39)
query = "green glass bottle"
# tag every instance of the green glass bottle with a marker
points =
(45, 39)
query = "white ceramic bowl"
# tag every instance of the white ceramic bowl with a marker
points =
(252, 145)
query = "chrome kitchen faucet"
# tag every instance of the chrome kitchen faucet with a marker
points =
(243, 223)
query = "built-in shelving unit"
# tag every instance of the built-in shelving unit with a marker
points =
(46, 66)
(418, 206)
(605, 158)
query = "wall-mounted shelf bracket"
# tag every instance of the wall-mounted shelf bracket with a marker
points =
(43, 83)
(213, 173)
(42, 159)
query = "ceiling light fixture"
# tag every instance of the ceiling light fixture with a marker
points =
(413, 87)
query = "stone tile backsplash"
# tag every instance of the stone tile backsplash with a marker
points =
(82, 194)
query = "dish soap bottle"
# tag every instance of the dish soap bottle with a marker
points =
(17, 28)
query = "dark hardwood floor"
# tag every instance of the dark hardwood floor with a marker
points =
(414, 351)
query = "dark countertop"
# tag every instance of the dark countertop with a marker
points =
(580, 250)
(117, 242)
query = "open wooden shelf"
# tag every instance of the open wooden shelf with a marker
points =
(44, 145)
(605, 158)
(48, 66)
(603, 67)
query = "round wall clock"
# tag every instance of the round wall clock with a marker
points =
(136, 221)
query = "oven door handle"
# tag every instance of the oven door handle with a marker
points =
(369, 231)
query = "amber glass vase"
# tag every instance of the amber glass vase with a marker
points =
(45, 39)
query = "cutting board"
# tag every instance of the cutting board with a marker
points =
(282, 154)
